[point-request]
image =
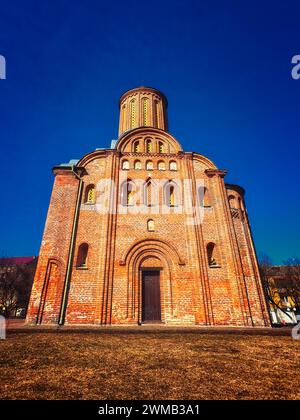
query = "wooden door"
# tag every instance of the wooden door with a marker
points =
(151, 309)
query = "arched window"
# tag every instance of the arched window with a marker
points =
(137, 164)
(123, 118)
(241, 204)
(149, 146)
(232, 202)
(161, 166)
(148, 194)
(204, 197)
(82, 256)
(211, 254)
(173, 165)
(127, 194)
(149, 165)
(125, 165)
(136, 147)
(90, 194)
(241, 208)
(150, 225)
(145, 108)
(156, 114)
(132, 114)
(170, 195)
(161, 147)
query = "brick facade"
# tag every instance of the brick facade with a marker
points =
(177, 218)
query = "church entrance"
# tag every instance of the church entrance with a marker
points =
(151, 309)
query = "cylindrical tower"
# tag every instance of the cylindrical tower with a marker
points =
(143, 107)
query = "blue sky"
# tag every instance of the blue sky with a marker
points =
(225, 67)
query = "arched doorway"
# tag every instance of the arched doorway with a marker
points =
(158, 258)
(151, 299)
(151, 296)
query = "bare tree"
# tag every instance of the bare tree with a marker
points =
(267, 272)
(291, 286)
(15, 286)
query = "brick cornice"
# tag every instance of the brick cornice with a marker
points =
(151, 155)
(68, 170)
(213, 172)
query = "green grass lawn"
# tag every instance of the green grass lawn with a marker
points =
(150, 365)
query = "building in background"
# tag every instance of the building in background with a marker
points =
(145, 232)
(282, 285)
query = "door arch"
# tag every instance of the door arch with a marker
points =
(150, 254)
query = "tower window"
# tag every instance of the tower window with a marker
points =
(151, 225)
(156, 114)
(136, 147)
(82, 256)
(90, 194)
(161, 147)
(125, 165)
(132, 114)
(145, 107)
(173, 165)
(149, 146)
(123, 122)
(149, 165)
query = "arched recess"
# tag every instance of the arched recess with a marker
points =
(151, 193)
(51, 294)
(125, 142)
(140, 261)
(205, 162)
(153, 243)
(134, 258)
(172, 194)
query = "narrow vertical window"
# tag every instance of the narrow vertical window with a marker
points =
(204, 197)
(170, 195)
(145, 107)
(82, 256)
(136, 147)
(90, 194)
(124, 128)
(232, 202)
(148, 194)
(156, 114)
(211, 254)
(128, 194)
(149, 146)
(161, 147)
(132, 114)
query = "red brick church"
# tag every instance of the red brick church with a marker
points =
(145, 232)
